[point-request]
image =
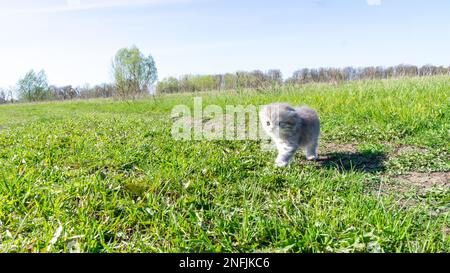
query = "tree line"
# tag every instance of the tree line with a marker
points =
(135, 75)
(230, 81)
(260, 80)
(52, 92)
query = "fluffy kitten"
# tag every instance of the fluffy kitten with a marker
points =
(291, 128)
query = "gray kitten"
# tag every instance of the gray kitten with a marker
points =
(291, 128)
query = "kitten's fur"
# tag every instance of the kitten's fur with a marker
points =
(291, 128)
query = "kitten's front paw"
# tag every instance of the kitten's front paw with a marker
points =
(312, 157)
(281, 163)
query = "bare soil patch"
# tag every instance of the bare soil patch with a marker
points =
(423, 181)
(398, 150)
(337, 147)
(415, 182)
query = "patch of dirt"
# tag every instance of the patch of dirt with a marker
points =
(411, 149)
(352, 147)
(337, 148)
(418, 182)
(413, 182)
(407, 149)
(423, 181)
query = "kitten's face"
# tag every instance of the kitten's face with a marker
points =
(278, 120)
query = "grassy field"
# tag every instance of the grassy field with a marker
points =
(107, 176)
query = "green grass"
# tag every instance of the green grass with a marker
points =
(107, 176)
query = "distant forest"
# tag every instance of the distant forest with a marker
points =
(242, 80)
(260, 80)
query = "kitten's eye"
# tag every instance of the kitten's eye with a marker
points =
(268, 123)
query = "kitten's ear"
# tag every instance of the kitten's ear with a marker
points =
(293, 118)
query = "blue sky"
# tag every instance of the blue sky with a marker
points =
(74, 41)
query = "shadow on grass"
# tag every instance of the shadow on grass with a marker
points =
(369, 162)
